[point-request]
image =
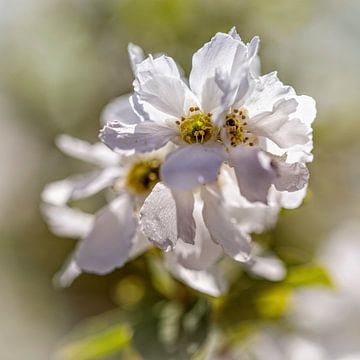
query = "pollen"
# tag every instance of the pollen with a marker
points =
(197, 128)
(236, 128)
(143, 176)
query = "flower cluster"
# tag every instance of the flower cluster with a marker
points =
(192, 167)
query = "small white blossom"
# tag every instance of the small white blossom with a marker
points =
(228, 113)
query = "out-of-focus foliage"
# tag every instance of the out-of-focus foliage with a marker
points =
(60, 63)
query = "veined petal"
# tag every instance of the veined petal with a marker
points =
(278, 127)
(253, 171)
(136, 56)
(211, 281)
(143, 137)
(168, 216)
(158, 218)
(220, 53)
(166, 94)
(120, 110)
(192, 165)
(221, 229)
(96, 154)
(67, 274)
(109, 243)
(79, 186)
(66, 221)
(290, 177)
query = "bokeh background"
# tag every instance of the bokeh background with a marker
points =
(61, 61)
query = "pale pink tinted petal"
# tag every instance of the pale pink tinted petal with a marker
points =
(109, 243)
(221, 229)
(144, 137)
(192, 165)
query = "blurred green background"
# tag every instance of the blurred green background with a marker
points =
(61, 61)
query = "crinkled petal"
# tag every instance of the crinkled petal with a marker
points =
(67, 274)
(277, 126)
(158, 218)
(266, 91)
(120, 110)
(211, 281)
(66, 221)
(204, 253)
(254, 172)
(109, 243)
(136, 56)
(221, 229)
(290, 177)
(222, 52)
(192, 165)
(168, 216)
(143, 137)
(79, 186)
(96, 154)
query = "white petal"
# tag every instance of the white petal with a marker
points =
(204, 253)
(120, 109)
(211, 281)
(67, 222)
(250, 217)
(166, 94)
(97, 153)
(277, 126)
(167, 217)
(143, 137)
(136, 56)
(222, 52)
(109, 243)
(221, 229)
(79, 186)
(186, 228)
(267, 267)
(192, 165)
(253, 171)
(140, 245)
(290, 177)
(67, 274)
(292, 200)
(158, 218)
(266, 91)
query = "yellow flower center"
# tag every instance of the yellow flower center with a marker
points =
(196, 128)
(236, 128)
(143, 176)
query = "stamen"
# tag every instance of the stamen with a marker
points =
(197, 128)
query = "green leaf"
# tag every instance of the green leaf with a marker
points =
(306, 275)
(96, 346)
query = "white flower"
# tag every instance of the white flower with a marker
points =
(227, 113)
